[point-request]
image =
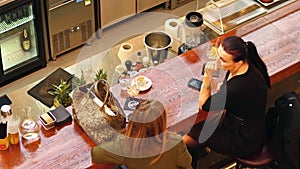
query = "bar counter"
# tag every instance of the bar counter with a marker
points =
(276, 36)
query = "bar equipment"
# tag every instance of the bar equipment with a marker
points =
(70, 24)
(190, 32)
(157, 45)
(22, 43)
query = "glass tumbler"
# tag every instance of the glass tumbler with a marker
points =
(13, 129)
(212, 52)
(133, 87)
(124, 81)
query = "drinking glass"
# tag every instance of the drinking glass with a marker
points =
(13, 129)
(124, 81)
(146, 61)
(212, 52)
(133, 88)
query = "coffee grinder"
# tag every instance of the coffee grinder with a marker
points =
(190, 32)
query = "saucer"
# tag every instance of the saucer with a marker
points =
(147, 85)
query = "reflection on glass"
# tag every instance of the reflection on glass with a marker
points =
(17, 37)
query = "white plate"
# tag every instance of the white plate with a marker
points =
(147, 84)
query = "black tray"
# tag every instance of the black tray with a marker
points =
(40, 91)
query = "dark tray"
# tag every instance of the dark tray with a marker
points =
(40, 91)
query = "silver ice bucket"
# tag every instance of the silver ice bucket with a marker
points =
(157, 45)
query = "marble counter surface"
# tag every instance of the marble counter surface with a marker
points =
(276, 36)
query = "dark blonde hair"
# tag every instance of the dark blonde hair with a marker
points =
(148, 120)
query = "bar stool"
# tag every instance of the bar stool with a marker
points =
(261, 159)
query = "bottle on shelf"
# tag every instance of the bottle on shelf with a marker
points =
(29, 128)
(25, 39)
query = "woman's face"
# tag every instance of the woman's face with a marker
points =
(225, 60)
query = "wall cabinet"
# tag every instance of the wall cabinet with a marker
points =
(113, 11)
(143, 5)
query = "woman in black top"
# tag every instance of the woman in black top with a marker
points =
(243, 96)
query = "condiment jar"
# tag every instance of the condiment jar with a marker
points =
(13, 128)
(4, 142)
(13, 124)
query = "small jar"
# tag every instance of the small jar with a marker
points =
(13, 128)
(13, 124)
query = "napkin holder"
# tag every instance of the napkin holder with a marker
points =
(56, 117)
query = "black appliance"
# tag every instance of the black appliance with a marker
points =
(22, 45)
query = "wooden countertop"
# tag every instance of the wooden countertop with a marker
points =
(69, 147)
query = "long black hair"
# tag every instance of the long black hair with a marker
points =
(246, 51)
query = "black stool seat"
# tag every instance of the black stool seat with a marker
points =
(261, 158)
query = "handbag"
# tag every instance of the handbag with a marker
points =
(98, 112)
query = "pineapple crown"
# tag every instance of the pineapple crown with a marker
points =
(60, 91)
(100, 74)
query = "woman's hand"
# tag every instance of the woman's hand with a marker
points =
(210, 68)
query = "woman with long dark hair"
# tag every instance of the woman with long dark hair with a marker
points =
(242, 96)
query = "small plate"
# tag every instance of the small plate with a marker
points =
(147, 85)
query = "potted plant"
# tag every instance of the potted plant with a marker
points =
(62, 94)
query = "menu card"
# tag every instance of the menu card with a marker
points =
(131, 103)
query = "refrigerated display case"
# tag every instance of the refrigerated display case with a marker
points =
(22, 48)
(222, 16)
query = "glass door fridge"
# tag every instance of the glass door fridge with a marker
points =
(22, 47)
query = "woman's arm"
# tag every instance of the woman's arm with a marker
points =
(205, 92)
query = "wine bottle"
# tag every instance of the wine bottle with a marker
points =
(25, 40)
